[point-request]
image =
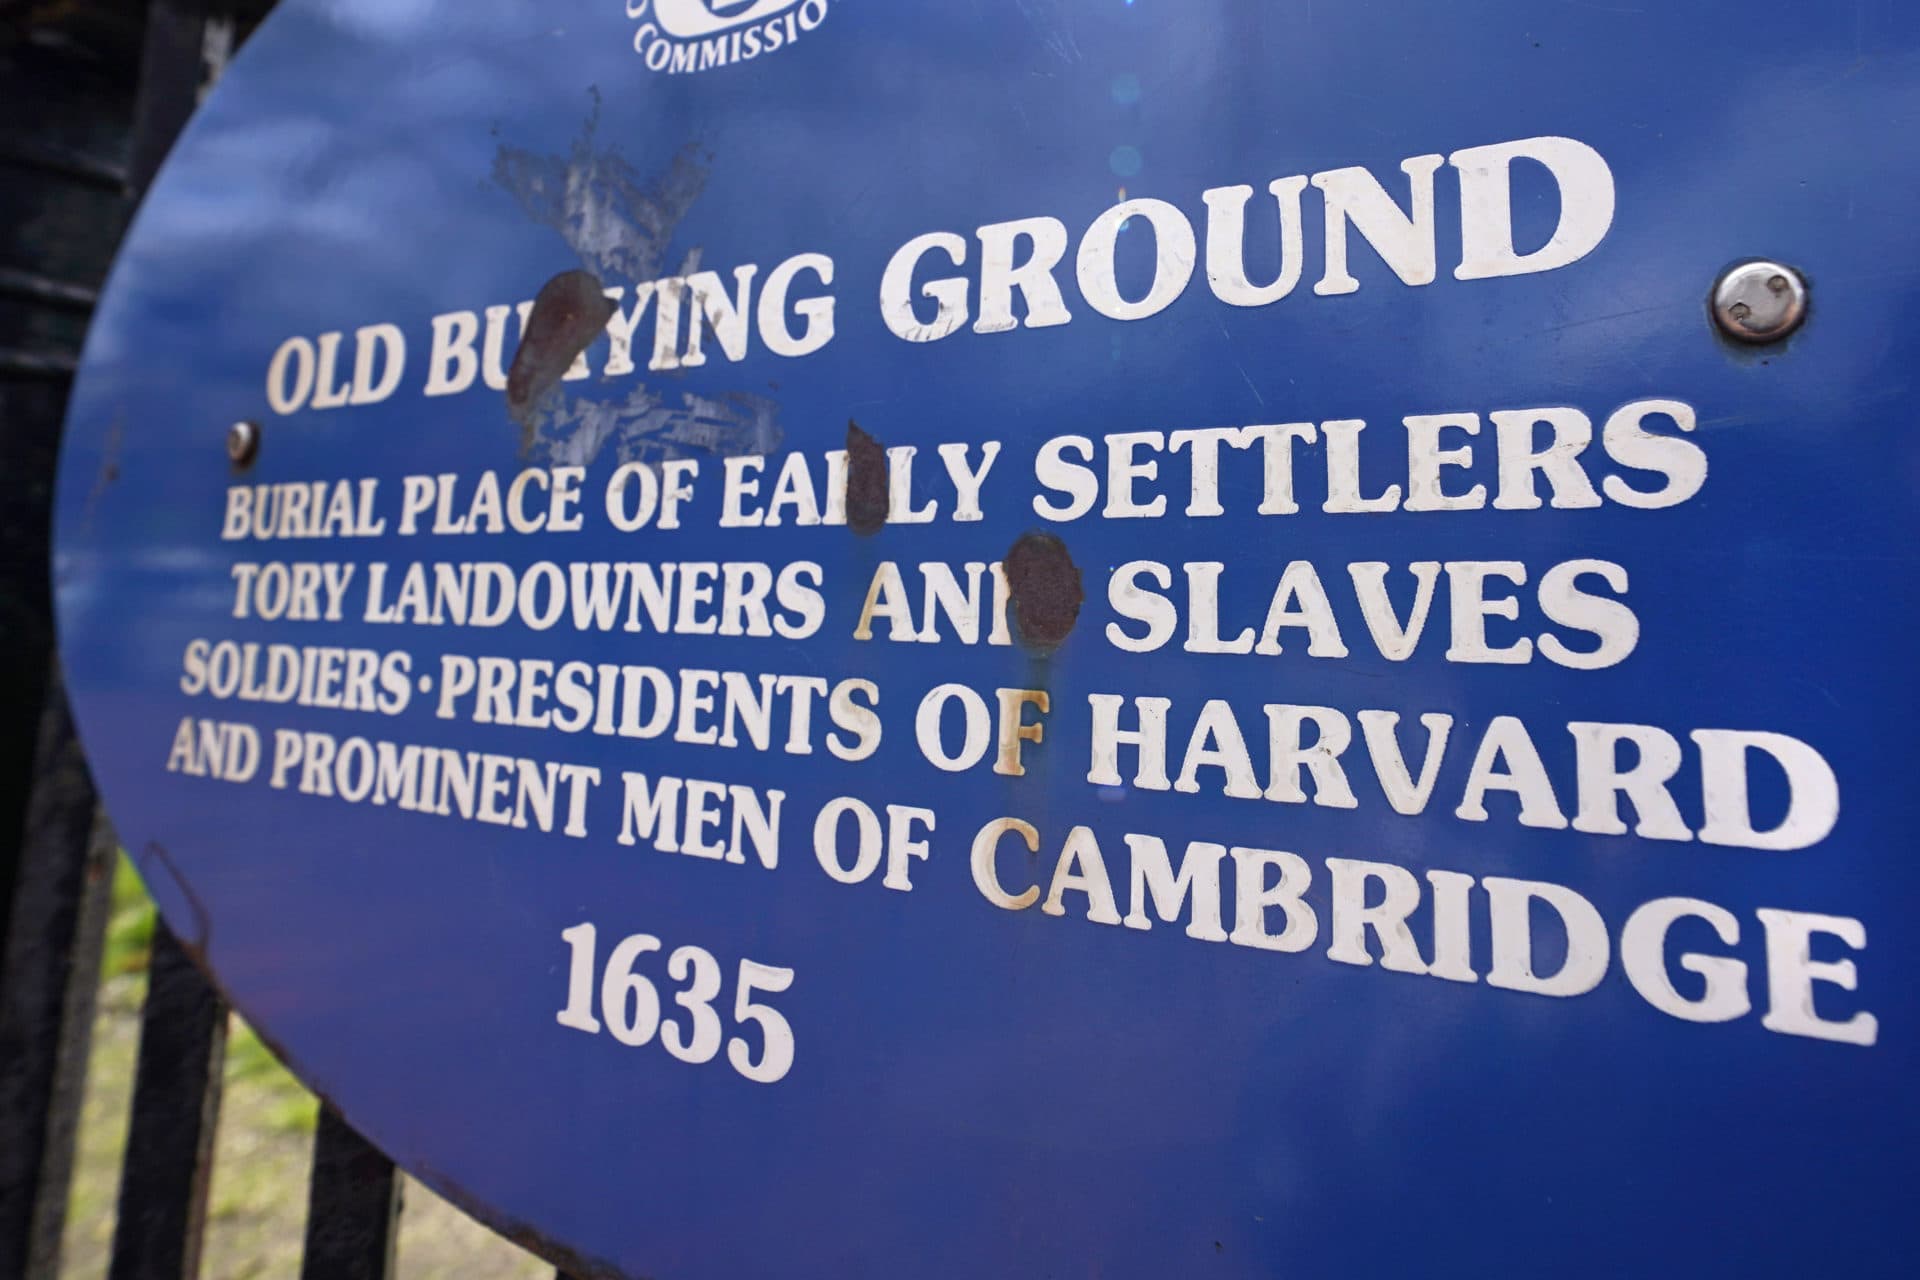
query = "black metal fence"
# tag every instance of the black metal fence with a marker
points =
(92, 93)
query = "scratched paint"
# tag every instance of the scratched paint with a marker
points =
(622, 223)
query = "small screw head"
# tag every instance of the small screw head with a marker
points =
(243, 443)
(1759, 302)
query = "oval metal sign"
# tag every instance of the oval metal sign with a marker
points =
(1041, 637)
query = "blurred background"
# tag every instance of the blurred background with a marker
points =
(92, 93)
(263, 1151)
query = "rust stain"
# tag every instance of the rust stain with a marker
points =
(195, 944)
(1044, 585)
(866, 481)
(569, 313)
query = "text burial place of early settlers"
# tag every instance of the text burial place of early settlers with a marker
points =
(1674, 783)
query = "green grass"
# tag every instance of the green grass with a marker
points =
(130, 927)
(289, 1108)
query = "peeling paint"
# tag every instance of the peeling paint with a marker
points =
(644, 427)
(1050, 23)
(618, 221)
(621, 224)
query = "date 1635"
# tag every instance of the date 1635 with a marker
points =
(630, 1003)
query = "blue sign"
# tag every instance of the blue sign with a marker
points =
(1042, 638)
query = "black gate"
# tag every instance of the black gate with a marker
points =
(94, 92)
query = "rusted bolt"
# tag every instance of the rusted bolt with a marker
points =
(1759, 302)
(243, 443)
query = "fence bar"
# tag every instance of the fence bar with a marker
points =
(353, 1206)
(62, 162)
(176, 1108)
(49, 972)
(171, 70)
(31, 286)
(55, 366)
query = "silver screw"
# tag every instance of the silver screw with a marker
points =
(243, 443)
(1760, 302)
